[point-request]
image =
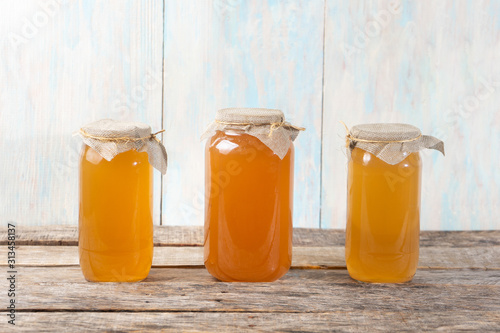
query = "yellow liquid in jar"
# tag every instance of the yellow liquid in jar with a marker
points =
(383, 218)
(115, 225)
(248, 224)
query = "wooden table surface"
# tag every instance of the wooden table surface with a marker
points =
(457, 287)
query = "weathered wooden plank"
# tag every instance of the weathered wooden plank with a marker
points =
(233, 53)
(193, 236)
(171, 256)
(301, 291)
(68, 235)
(339, 321)
(75, 62)
(73, 274)
(303, 257)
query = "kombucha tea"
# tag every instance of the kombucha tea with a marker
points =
(115, 226)
(249, 197)
(383, 218)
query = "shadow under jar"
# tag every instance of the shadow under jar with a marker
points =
(383, 201)
(115, 234)
(249, 195)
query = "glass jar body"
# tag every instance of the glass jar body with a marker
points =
(248, 216)
(115, 235)
(383, 218)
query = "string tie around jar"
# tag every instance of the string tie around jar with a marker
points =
(267, 125)
(109, 137)
(123, 138)
(390, 142)
(272, 126)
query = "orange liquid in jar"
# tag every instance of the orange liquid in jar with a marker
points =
(249, 197)
(115, 226)
(383, 218)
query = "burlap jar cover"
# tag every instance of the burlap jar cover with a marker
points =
(267, 125)
(391, 143)
(110, 137)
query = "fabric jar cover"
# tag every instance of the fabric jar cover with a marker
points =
(267, 125)
(391, 143)
(110, 137)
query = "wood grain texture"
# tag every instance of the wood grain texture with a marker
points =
(338, 321)
(430, 65)
(68, 235)
(53, 295)
(299, 292)
(172, 276)
(224, 53)
(303, 257)
(79, 61)
(193, 236)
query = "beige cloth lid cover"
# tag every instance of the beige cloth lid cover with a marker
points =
(267, 125)
(391, 143)
(110, 137)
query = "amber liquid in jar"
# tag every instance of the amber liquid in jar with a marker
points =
(115, 226)
(383, 218)
(249, 197)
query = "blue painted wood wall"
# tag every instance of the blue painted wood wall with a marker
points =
(172, 64)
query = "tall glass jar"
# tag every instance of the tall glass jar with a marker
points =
(115, 235)
(383, 201)
(116, 216)
(249, 198)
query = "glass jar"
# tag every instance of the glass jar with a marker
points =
(383, 218)
(115, 238)
(249, 205)
(115, 234)
(383, 201)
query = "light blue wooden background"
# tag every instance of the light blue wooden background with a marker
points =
(173, 63)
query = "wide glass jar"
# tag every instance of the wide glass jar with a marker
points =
(249, 199)
(115, 235)
(383, 201)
